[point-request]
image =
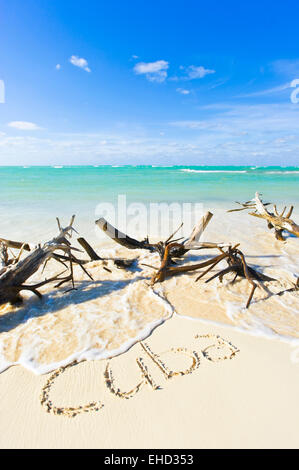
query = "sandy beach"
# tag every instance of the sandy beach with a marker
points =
(185, 374)
(242, 391)
(149, 226)
(120, 363)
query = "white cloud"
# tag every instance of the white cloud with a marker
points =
(58, 67)
(193, 72)
(257, 122)
(154, 71)
(24, 126)
(183, 91)
(264, 134)
(268, 91)
(80, 62)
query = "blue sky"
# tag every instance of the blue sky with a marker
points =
(159, 82)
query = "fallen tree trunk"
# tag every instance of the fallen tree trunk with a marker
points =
(12, 280)
(13, 277)
(4, 261)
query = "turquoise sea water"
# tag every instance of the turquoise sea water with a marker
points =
(95, 321)
(35, 193)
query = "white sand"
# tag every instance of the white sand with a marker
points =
(248, 401)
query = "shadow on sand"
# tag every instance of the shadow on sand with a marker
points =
(58, 299)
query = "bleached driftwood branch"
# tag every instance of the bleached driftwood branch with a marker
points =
(15, 245)
(279, 222)
(14, 273)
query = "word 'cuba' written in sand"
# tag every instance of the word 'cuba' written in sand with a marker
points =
(219, 350)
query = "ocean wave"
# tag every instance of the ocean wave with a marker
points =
(95, 322)
(252, 171)
(294, 172)
(213, 171)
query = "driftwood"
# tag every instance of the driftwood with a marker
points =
(175, 250)
(14, 273)
(166, 270)
(119, 262)
(89, 250)
(237, 265)
(121, 238)
(279, 222)
(169, 250)
(17, 245)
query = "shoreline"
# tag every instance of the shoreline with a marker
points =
(110, 313)
(163, 387)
